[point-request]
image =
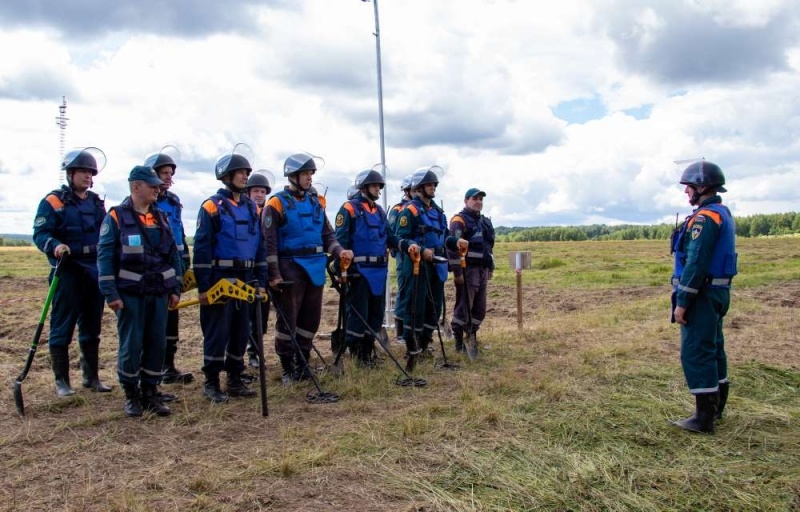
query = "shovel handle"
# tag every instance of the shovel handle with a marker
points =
(344, 264)
(415, 255)
(462, 252)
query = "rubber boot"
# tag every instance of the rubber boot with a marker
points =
(398, 326)
(703, 419)
(237, 387)
(723, 399)
(459, 337)
(89, 364)
(59, 356)
(287, 370)
(364, 353)
(302, 370)
(171, 375)
(211, 389)
(150, 401)
(133, 401)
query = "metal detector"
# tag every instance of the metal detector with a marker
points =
(20, 403)
(470, 340)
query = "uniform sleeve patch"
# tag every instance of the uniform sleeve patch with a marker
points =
(339, 220)
(700, 218)
(104, 229)
(267, 221)
(696, 230)
(39, 222)
(403, 221)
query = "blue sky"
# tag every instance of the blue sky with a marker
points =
(572, 116)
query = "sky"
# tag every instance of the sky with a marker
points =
(565, 113)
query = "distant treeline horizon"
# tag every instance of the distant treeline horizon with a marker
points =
(767, 224)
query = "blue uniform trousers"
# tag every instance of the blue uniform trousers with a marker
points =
(369, 307)
(141, 328)
(703, 357)
(77, 300)
(226, 329)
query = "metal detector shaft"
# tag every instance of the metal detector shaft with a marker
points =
(262, 362)
(18, 400)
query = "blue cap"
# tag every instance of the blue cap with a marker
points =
(474, 192)
(145, 174)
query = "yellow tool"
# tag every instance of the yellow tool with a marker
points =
(226, 288)
(189, 282)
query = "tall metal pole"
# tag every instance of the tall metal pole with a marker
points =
(377, 34)
(61, 121)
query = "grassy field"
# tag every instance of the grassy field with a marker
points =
(570, 413)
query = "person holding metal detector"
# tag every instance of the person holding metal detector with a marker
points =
(259, 186)
(228, 245)
(297, 236)
(392, 216)
(705, 264)
(66, 229)
(361, 226)
(140, 276)
(164, 163)
(471, 270)
(422, 222)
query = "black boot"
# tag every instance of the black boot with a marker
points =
(459, 337)
(59, 356)
(150, 401)
(365, 352)
(171, 375)
(398, 326)
(302, 365)
(723, 399)
(133, 401)
(237, 387)
(90, 359)
(211, 389)
(287, 370)
(703, 419)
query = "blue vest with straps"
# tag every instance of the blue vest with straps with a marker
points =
(170, 204)
(392, 217)
(145, 256)
(368, 238)
(82, 221)
(724, 259)
(479, 233)
(236, 242)
(300, 234)
(430, 232)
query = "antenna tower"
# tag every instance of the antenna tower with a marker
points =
(61, 122)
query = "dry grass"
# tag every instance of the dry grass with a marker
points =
(569, 414)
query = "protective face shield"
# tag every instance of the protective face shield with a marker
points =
(352, 191)
(239, 158)
(369, 177)
(405, 186)
(300, 162)
(426, 176)
(702, 174)
(261, 178)
(91, 158)
(168, 155)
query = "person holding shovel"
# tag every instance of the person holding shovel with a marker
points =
(140, 276)
(361, 226)
(259, 186)
(66, 228)
(297, 236)
(471, 280)
(423, 223)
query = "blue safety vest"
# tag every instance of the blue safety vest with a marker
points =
(430, 232)
(82, 221)
(170, 204)
(478, 231)
(368, 239)
(145, 254)
(300, 234)
(724, 259)
(238, 237)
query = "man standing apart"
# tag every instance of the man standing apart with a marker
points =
(227, 244)
(66, 228)
(422, 222)
(140, 277)
(705, 263)
(471, 225)
(297, 234)
(170, 204)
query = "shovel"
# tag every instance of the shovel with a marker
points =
(338, 336)
(470, 340)
(20, 403)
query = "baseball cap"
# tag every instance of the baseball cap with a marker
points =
(474, 192)
(145, 174)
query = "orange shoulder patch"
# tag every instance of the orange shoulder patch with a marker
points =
(210, 207)
(349, 208)
(54, 201)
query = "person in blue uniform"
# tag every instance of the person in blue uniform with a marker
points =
(705, 263)
(168, 202)
(66, 229)
(362, 227)
(258, 188)
(422, 222)
(394, 213)
(476, 229)
(297, 235)
(140, 274)
(227, 244)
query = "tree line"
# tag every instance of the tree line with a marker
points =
(772, 224)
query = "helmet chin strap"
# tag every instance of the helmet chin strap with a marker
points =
(695, 197)
(367, 193)
(296, 184)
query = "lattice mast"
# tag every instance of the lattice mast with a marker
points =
(61, 122)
